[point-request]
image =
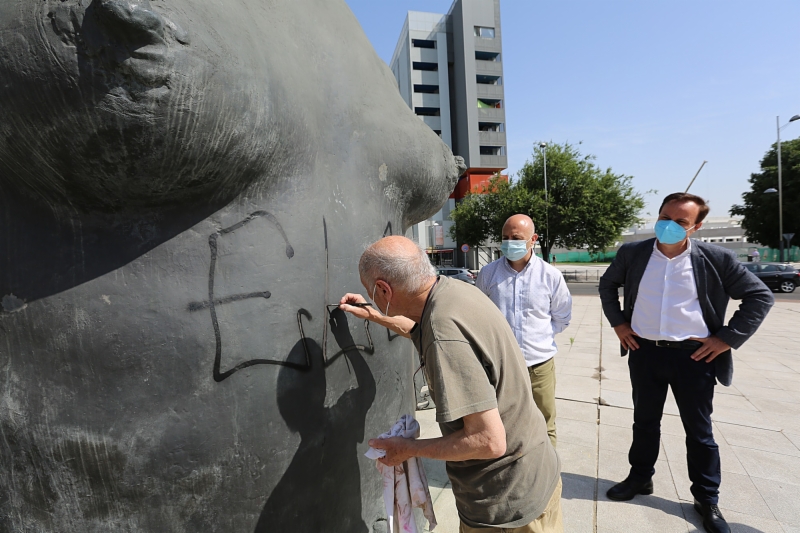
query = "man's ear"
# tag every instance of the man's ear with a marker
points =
(384, 287)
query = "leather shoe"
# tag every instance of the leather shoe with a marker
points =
(626, 490)
(713, 522)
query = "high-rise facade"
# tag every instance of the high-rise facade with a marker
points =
(449, 70)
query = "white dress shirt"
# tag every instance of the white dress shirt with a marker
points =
(536, 303)
(667, 307)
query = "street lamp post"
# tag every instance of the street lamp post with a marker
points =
(780, 181)
(546, 257)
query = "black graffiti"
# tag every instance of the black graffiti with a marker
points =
(212, 302)
(336, 320)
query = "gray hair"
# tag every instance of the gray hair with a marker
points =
(405, 268)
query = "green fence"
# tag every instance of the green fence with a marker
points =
(583, 256)
(773, 254)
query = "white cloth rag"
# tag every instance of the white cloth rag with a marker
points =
(405, 486)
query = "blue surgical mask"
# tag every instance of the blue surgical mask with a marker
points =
(514, 250)
(670, 232)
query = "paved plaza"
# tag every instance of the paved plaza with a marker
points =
(756, 424)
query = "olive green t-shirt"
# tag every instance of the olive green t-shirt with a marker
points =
(472, 363)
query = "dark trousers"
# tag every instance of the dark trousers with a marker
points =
(652, 370)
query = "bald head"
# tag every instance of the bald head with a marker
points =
(398, 261)
(518, 228)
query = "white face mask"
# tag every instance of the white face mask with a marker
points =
(376, 305)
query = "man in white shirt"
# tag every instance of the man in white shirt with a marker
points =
(536, 302)
(673, 324)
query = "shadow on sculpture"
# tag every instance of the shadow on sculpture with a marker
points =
(58, 251)
(328, 450)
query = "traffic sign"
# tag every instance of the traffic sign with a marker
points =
(788, 236)
(465, 248)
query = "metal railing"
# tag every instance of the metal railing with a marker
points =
(581, 275)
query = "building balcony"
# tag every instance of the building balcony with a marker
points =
(487, 45)
(425, 77)
(494, 161)
(434, 123)
(425, 55)
(492, 138)
(491, 115)
(426, 100)
(490, 91)
(491, 68)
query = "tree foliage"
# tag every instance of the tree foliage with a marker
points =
(760, 210)
(585, 207)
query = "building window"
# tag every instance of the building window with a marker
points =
(423, 43)
(491, 126)
(427, 111)
(482, 31)
(488, 80)
(427, 89)
(487, 56)
(422, 65)
(484, 103)
(493, 150)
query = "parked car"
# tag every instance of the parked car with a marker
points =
(458, 273)
(777, 276)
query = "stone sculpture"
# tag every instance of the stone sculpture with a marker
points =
(185, 188)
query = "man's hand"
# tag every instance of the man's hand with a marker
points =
(626, 336)
(362, 312)
(711, 348)
(397, 449)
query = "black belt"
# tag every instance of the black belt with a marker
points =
(675, 345)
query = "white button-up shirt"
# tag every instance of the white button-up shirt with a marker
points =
(667, 307)
(535, 302)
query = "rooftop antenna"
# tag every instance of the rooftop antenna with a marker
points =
(695, 177)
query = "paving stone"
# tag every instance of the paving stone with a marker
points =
(577, 432)
(617, 399)
(578, 388)
(585, 412)
(643, 513)
(578, 461)
(615, 438)
(733, 402)
(616, 385)
(738, 522)
(783, 499)
(767, 465)
(758, 439)
(583, 371)
(744, 418)
(794, 437)
(752, 391)
(616, 416)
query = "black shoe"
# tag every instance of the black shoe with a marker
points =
(713, 522)
(626, 490)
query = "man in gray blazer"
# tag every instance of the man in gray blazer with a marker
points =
(673, 325)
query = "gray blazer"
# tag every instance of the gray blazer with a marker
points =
(719, 276)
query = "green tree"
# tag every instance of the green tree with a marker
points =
(586, 207)
(760, 210)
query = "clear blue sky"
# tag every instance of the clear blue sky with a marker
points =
(651, 87)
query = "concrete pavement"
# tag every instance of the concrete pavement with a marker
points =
(757, 427)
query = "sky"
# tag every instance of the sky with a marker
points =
(652, 88)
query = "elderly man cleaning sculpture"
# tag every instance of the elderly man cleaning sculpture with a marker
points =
(673, 324)
(504, 471)
(536, 302)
